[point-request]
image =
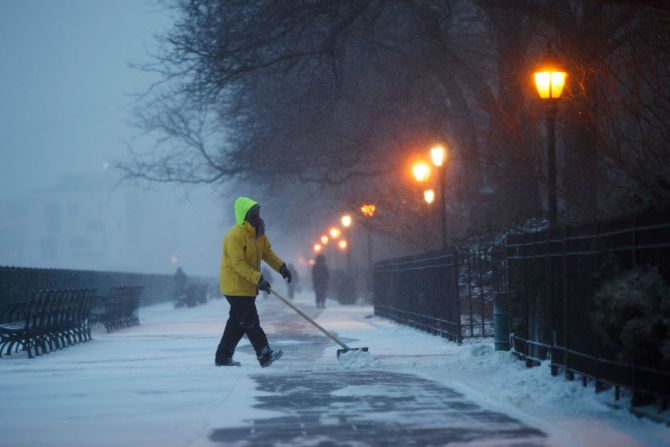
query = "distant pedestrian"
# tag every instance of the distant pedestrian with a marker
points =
(294, 281)
(320, 277)
(244, 246)
(178, 283)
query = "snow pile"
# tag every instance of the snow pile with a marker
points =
(357, 359)
(482, 355)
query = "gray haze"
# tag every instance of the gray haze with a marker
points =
(65, 103)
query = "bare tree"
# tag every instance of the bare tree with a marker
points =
(337, 94)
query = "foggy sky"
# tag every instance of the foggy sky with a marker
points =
(65, 101)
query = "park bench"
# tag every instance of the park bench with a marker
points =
(53, 319)
(118, 309)
(195, 294)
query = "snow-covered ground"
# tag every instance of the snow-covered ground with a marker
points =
(156, 385)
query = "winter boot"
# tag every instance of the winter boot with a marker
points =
(268, 356)
(226, 362)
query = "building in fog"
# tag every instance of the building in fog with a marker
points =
(84, 222)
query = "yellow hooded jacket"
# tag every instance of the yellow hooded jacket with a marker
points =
(242, 254)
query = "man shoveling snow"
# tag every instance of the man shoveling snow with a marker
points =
(244, 246)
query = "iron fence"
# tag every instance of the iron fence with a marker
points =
(554, 277)
(17, 284)
(448, 293)
(549, 280)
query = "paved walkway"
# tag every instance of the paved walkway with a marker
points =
(375, 406)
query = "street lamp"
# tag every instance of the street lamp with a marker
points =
(317, 248)
(346, 221)
(368, 209)
(549, 77)
(429, 196)
(421, 172)
(324, 239)
(439, 155)
(334, 233)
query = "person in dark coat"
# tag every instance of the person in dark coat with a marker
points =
(320, 278)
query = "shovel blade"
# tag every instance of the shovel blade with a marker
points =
(342, 351)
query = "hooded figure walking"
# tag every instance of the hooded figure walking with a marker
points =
(244, 246)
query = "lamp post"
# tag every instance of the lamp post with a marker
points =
(346, 223)
(438, 155)
(422, 171)
(368, 210)
(549, 79)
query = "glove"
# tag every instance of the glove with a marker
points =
(263, 285)
(285, 272)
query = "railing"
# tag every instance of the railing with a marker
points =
(446, 293)
(554, 277)
(420, 291)
(550, 279)
(17, 284)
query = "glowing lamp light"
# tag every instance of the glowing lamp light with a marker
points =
(335, 233)
(439, 155)
(324, 239)
(346, 220)
(311, 262)
(549, 76)
(317, 248)
(550, 84)
(421, 171)
(173, 259)
(368, 210)
(343, 244)
(429, 196)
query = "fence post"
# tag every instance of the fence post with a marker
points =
(634, 244)
(469, 270)
(548, 304)
(481, 291)
(554, 366)
(459, 332)
(501, 321)
(564, 268)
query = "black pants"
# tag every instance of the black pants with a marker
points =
(320, 297)
(242, 319)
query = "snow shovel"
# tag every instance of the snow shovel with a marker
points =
(343, 353)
